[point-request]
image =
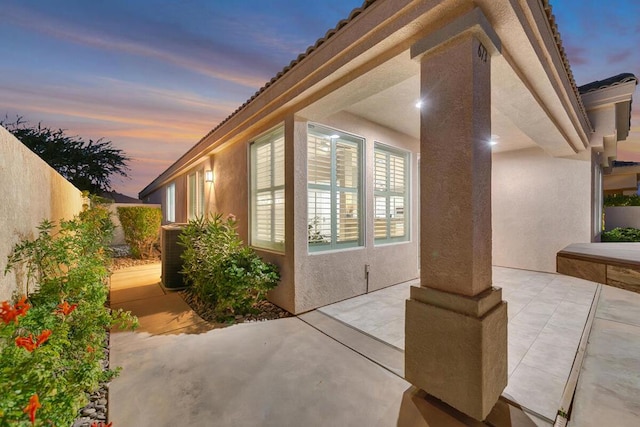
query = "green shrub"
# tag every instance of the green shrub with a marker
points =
(141, 226)
(221, 270)
(51, 340)
(620, 200)
(621, 235)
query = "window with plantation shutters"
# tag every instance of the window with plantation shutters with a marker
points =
(170, 208)
(334, 188)
(267, 191)
(391, 191)
(195, 195)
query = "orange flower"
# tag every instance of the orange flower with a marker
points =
(29, 344)
(32, 407)
(66, 308)
(101, 424)
(10, 314)
(43, 337)
(22, 306)
(26, 342)
(90, 349)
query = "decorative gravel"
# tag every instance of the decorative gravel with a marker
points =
(122, 258)
(96, 409)
(266, 310)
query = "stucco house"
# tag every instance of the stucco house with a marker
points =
(418, 139)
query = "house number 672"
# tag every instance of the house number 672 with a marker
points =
(482, 52)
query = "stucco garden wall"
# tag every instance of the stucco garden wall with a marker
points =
(31, 192)
(540, 204)
(621, 216)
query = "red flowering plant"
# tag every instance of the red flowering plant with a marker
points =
(50, 340)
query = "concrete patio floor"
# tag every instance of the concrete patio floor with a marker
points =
(315, 370)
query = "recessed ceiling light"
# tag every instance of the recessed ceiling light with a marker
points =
(419, 104)
(492, 143)
(335, 136)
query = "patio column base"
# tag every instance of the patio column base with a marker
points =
(456, 347)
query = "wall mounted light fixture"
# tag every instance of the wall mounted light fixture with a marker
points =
(208, 176)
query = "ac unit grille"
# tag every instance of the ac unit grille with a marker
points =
(171, 261)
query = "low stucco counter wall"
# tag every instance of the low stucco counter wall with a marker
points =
(614, 264)
(31, 192)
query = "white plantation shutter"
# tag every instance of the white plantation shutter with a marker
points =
(333, 176)
(195, 194)
(391, 194)
(170, 212)
(267, 191)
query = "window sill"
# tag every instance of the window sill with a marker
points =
(334, 250)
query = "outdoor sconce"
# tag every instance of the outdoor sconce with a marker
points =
(208, 176)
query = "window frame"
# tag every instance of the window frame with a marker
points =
(334, 189)
(269, 138)
(389, 150)
(170, 199)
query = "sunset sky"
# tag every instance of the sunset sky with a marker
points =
(155, 76)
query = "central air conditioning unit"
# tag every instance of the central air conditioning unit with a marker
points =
(171, 261)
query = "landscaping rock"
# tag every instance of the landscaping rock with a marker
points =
(127, 261)
(265, 310)
(121, 251)
(96, 409)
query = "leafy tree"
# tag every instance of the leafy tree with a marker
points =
(89, 165)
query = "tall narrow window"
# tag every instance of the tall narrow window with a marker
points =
(267, 191)
(195, 194)
(334, 169)
(170, 209)
(391, 194)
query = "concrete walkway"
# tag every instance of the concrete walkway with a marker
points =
(137, 289)
(177, 370)
(608, 392)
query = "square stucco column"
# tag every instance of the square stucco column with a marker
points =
(456, 322)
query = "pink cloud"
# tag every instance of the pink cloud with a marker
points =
(85, 36)
(620, 56)
(577, 55)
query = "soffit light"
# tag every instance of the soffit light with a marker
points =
(419, 104)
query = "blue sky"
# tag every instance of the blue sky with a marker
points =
(155, 76)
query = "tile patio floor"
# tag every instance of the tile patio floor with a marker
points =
(547, 315)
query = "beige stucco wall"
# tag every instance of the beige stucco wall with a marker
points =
(31, 192)
(159, 197)
(329, 276)
(230, 195)
(540, 204)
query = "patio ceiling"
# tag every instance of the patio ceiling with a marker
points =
(387, 95)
